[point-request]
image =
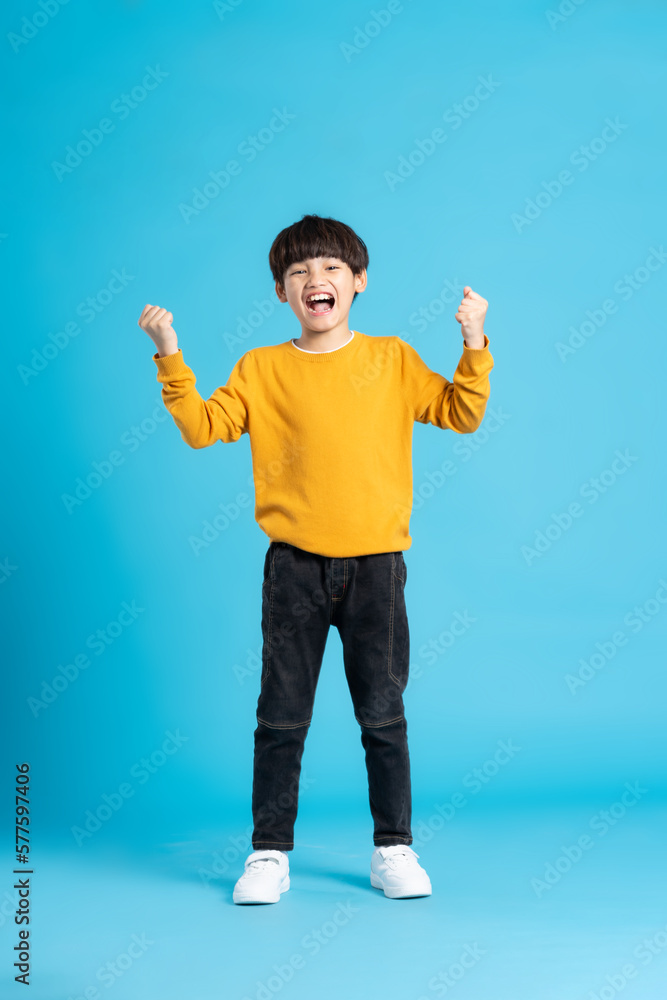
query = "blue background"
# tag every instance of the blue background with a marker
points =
(184, 664)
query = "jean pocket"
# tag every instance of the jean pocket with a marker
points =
(399, 567)
(399, 633)
(266, 575)
(270, 563)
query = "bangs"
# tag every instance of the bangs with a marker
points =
(316, 236)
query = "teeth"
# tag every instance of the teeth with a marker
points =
(319, 297)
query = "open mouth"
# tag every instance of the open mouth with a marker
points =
(320, 303)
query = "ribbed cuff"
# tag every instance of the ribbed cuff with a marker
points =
(476, 360)
(170, 364)
(476, 350)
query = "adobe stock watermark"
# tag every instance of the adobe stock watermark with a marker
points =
(473, 781)
(591, 490)
(251, 666)
(445, 979)
(429, 651)
(221, 861)
(377, 21)
(249, 149)
(88, 309)
(224, 7)
(464, 448)
(301, 612)
(112, 802)
(600, 823)
(454, 116)
(211, 529)
(94, 137)
(564, 11)
(239, 847)
(246, 326)
(113, 970)
(260, 478)
(606, 650)
(103, 469)
(451, 292)
(9, 907)
(625, 287)
(7, 569)
(31, 26)
(644, 952)
(390, 351)
(581, 158)
(98, 642)
(311, 944)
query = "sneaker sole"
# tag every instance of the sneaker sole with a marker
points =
(249, 899)
(398, 892)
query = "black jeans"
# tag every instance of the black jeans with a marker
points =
(303, 594)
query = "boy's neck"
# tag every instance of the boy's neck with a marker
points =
(324, 340)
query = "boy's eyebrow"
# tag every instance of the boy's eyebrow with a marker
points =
(313, 258)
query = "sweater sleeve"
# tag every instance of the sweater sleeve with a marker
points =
(202, 422)
(458, 405)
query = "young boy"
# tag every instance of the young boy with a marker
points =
(330, 417)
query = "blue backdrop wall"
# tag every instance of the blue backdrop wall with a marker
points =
(574, 275)
(155, 150)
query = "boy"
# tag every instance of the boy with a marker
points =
(330, 417)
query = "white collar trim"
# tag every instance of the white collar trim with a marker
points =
(323, 352)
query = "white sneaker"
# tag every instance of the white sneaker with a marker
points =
(265, 877)
(395, 870)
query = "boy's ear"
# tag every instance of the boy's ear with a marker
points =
(280, 292)
(360, 281)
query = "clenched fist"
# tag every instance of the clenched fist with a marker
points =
(156, 322)
(470, 315)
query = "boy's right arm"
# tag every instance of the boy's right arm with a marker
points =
(202, 422)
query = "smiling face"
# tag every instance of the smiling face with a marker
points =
(320, 292)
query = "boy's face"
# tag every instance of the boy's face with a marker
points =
(320, 276)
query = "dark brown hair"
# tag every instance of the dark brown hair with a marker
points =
(317, 236)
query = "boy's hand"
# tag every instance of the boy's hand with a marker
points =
(157, 324)
(472, 311)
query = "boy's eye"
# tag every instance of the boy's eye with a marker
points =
(301, 269)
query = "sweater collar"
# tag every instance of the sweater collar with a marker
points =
(325, 357)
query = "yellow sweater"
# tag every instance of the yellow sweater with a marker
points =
(330, 433)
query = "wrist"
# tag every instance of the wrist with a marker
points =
(475, 341)
(169, 347)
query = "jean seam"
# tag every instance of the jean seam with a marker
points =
(344, 582)
(390, 653)
(378, 725)
(285, 842)
(296, 725)
(270, 621)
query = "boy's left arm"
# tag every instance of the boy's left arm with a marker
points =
(458, 405)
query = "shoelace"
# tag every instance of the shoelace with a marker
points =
(260, 865)
(400, 858)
